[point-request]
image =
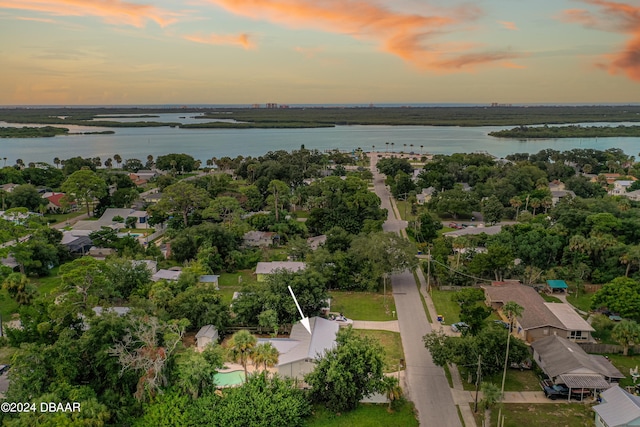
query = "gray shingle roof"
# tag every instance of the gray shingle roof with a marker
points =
(271, 267)
(301, 345)
(560, 356)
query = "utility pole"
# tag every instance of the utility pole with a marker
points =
(429, 269)
(478, 375)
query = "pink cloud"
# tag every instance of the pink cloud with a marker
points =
(243, 40)
(408, 36)
(509, 25)
(617, 17)
(112, 11)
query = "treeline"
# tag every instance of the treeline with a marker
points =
(575, 131)
(32, 132)
(256, 125)
(407, 116)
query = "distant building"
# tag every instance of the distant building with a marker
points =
(425, 195)
(162, 274)
(261, 239)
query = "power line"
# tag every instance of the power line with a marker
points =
(460, 272)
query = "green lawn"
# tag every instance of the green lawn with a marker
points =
(405, 210)
(7, 305)
(229, 283)
(5, 355)
(63, 217)
(364, 305)
(624, 363)
(392, 345)
(545, 415)
(549, 298)
(48, 284)
(582, 301)
(516, 380)
(45, 285)
(445, 306)
(365, 415)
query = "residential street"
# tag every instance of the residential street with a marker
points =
(427, 385)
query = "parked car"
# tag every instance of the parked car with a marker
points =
(4, 368)
(501, 323)
(455, 225)
(561, 391)
(459, 327)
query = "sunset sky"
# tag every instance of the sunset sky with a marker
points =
(69, 52)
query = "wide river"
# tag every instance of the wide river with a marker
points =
(207, 143)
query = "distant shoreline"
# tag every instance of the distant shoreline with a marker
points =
(464, 116)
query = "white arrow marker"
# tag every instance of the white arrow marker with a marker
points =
(305, 320)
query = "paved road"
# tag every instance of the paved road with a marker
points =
(427, 384)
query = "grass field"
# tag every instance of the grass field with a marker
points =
(365, 415)
(445, 306)
(392, 346)
(549, 298)
(363, 305)
(624, 363)
(582, 301)
(516, 380)
(63, 217)
(545, 415)
(233, 282)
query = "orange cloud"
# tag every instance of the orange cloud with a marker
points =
(617, 17)
(243, 40)
(508, 25)
(112, 11)
(401, 34)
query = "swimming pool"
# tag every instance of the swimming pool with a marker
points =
(228, 379)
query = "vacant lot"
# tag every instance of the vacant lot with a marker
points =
(547, 414)
(365, 415)
(364, 305)
(392, 345)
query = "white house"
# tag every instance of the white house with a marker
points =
(620, 187)
(206, 335)
(299, 352)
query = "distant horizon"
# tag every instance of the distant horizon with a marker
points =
(330, 105)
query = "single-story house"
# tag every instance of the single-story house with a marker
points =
(315, 242)
(539, 319)
(100, 253)
(556, 195)
(137, 180)
(618, 408)
(565, 362)
(474, 231)
(55, 203)
(77, 241)
(264, 269)
(163, 274)
(556, 286)
(120, 311)
(425, 195)
(151, 265)
(106, 220)
(260, 239)
(210, 279)
(206, 335)
(633, 195)
(8, 187)
(299, 352)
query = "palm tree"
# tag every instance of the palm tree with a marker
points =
(490, 396)
(405, 148)
(56, 161)
(265, 354)
(516, 202)
(411, 145)
(118, 159)
(421, 147)
(240, 348)
(627, 333)
(5, 159)
(630, 257)
(149, 161)
(512, 310)
(392, 144)
(535, 204)
(391, 387)
(20, 163)
(19, 288)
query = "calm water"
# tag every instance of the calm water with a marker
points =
(207, 143)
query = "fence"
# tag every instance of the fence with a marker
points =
(607, 348)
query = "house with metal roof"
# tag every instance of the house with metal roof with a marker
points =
(619, 408)
(264, 269)
(565, 362)
(162, 274)
(299, 352)
(206, 335)
(539, 319)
